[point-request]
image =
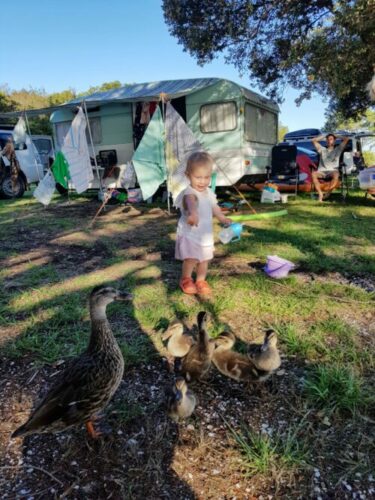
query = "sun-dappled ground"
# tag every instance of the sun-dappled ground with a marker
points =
(308, 433)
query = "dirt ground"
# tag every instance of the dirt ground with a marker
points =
(147, 455)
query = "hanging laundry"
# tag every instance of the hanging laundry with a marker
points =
(128, 178)
(180, 144)
(19, 131)
(60, 169)
(149, 158)
(145, 113)
(45, 189)
(76, 152)
(153, 106)
(138, 128)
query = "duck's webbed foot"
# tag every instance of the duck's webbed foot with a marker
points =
(92, 431)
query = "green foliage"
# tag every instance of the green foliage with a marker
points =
(30, 99)
(61, 97)
(139, 350)
(322, 46)
(264, 454)
(282, 130)
(337, 388)
(6, 103)
(101, 88)
(126, 412)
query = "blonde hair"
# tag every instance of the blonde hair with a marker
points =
(199, 158)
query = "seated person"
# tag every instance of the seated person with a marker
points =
(328, 162)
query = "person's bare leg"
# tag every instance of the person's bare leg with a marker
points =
(202, 269)
(315, 177)
(188, 266)
(186, 282)
(203, 288)
(334, 182)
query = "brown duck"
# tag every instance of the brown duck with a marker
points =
(265, 356)
(180, 400)
(230, 363)
(179, 343)
(90, 380)
(196, 364)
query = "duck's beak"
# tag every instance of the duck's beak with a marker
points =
(124, 296)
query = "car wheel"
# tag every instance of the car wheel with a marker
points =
(6, 188)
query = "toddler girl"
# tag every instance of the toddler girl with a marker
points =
(195, 241)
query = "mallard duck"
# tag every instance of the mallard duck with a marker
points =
(180, 401)
(179, 344)
(89, 382)
(265, 356)
(230, 363)
(196, 363)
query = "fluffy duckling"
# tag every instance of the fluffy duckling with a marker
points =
(179, 344)
(196, 364)
(181, 401)
(230, 363)
(90, 380)
(265, 356)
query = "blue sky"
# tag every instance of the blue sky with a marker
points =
(60, 44)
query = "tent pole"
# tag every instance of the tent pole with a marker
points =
(93, 149)
(162, 96)
(29, 133)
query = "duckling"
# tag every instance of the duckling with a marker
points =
(179, 344)
(181, 400)
(230, 363)
(89, 382)
(197, 362)
(265, 356)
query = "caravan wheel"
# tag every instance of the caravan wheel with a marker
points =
(6, 188)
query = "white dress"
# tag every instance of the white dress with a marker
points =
(196, 242)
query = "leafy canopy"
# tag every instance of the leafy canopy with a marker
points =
(323, 46)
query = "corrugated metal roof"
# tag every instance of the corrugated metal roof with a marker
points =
(149, 90)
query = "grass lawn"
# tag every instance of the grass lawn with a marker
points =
(308, 433)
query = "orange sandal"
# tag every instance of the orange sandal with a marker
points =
(187, 286)
(203, 287)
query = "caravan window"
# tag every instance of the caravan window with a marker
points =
(96, 130)
(62, 129)
(218, 117)
(260, 125)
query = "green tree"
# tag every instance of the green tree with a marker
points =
(365, 123)
(322, 46)
(29, 99)
(61, 97)
(101, 88)
(282, 130)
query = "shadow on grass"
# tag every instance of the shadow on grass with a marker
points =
(45, 304)
(50, 301)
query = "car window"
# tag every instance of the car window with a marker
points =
(42, 145)
(4, 138)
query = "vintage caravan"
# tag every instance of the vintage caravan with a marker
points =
(235, 125)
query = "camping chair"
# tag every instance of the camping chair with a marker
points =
(343, 179)
(284, 170)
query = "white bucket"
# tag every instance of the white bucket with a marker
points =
(284, 198)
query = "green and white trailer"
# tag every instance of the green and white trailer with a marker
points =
(237, 126)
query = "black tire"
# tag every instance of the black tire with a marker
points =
(60, 189)
(6, 188)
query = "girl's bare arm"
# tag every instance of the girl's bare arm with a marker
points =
(190, 204)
